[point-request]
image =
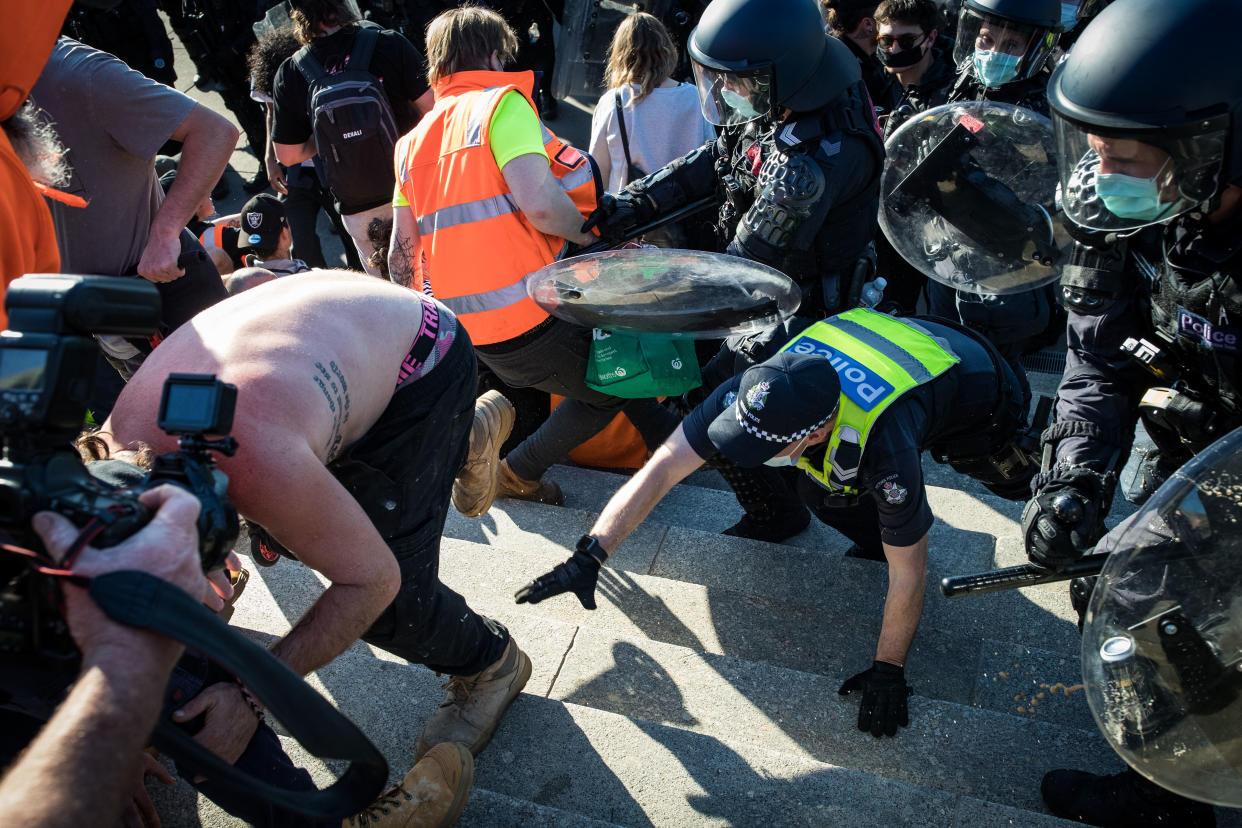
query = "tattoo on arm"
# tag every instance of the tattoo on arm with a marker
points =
(331, 382)
(401, 265)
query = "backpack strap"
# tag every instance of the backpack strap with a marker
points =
(309, 66)
(364, 48)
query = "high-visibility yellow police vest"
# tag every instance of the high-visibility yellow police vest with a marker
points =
(878, 358)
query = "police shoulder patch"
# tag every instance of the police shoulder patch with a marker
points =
(893, 492)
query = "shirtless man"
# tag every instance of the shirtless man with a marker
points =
(349, 441)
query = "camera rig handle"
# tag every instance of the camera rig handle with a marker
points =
(1015, 577)
(142, 600)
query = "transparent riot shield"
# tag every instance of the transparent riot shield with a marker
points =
(968, 197)
(582, 50)
(1162, 639)
(681, 293)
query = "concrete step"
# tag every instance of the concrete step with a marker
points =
(945, 664)
(608, 660)
(969, 535)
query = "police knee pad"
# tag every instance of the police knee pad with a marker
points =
(1006, 473)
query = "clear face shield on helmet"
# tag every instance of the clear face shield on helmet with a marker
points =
(730, 98)
(1125, 181)
(1002, 51)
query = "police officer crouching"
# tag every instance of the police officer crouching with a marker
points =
(1151, 181)
(851, 401)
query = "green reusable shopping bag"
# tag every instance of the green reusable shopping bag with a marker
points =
(637, 366)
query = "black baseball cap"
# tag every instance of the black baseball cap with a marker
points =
(262, 219)
(779, 401)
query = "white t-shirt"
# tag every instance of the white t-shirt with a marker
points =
(662, 127)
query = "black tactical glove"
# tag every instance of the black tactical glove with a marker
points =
(577, 575)
(884, 690)
(1063, 521)
(616, 215)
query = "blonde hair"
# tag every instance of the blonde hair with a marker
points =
(641, 53)
(463, 39)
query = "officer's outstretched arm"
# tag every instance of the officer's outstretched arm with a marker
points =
(882, 708)
(668, 466)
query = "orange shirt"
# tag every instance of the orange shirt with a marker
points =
(27, 240)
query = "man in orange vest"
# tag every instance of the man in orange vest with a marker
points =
(487, 195)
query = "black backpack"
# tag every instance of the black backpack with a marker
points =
(352, 121)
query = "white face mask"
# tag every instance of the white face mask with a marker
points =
(790, 459)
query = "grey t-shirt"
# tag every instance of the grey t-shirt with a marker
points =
(113, 120)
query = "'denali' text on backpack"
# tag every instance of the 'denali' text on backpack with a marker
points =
(352, 122)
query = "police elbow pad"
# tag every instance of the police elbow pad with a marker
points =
(788, 190)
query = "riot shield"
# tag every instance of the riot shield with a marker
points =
(586, 33)
(681, 293)
(1162, 639)
(969, 197)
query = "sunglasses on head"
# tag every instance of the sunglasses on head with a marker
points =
(905, 41)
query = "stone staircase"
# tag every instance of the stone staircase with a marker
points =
(703, 689)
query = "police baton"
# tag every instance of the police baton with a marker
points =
(689, 210)
(1015, 577)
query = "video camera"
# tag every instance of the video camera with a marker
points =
(47, 368)
(48, 360)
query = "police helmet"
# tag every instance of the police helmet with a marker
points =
(1146, 119)
(1006, 40)
(754, 57)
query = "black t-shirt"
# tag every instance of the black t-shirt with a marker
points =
(398, 65)
(954, 404)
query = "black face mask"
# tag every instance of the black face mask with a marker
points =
(899, 60)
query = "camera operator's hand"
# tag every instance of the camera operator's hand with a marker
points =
(221, 584)
(159, 260)
(230, 723)
(141, 813)
(167, 548)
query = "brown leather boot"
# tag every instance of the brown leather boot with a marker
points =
(539, 491)
(474, 704)
(431, 795)
(475, 486)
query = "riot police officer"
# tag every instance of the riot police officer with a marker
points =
(796, 167)
(795, 171)
(1002, 52)
(1151, 183)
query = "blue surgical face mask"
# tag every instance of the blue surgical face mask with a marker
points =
(1069, 16)
(1133, 198)
(995, 68)
(739, 104)
(790, 459)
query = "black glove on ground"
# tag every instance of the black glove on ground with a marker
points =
(577, 575)
(884, 691)
(617, 215)
(1062, 522)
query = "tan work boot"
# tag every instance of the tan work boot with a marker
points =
(431, 795)
(540, 491)
(475, 486)
(474, 704)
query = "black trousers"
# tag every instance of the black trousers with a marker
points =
(401, 473)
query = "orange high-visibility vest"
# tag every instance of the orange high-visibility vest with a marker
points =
(480, 248)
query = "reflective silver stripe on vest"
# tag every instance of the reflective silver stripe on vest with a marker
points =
(917, 371)
(575, 178)
(481, 210)
(491, 300)
(482, 105)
